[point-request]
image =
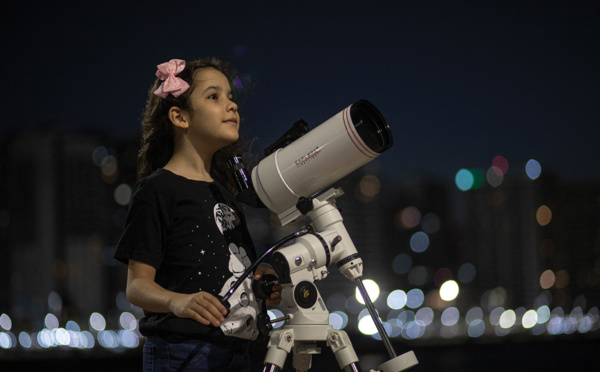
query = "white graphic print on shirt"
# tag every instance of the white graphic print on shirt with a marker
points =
(244, 307)
(225, 217)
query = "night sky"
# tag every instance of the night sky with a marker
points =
(459, 82)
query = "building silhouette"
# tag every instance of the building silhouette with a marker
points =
(64, 201)
(59, 229)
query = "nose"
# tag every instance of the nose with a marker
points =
(232, 106)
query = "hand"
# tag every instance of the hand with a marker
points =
(202, 307)
(263, 270)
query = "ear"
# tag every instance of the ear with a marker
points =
(178, 118)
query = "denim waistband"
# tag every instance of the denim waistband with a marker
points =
(219, 340)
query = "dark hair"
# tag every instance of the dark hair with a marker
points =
(157, 143)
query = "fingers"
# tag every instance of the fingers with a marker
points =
(275, 298)
(260, 271)
(211, 308)
(263, 270)
(203, 308)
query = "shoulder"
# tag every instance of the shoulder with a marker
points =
(156, 185)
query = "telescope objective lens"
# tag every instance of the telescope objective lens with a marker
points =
(371, 126)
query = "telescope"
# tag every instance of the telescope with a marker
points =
(294, 180)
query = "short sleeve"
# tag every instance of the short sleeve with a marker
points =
(144, 236)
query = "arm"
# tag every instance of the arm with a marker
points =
(144, 292)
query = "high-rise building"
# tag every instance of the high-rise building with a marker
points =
(59, 212)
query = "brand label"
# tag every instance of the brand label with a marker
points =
(308, 157)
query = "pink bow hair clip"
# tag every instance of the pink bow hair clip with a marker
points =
(171, 84)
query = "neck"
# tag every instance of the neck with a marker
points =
(190, 164)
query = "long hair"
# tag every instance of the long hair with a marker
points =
(157, 142)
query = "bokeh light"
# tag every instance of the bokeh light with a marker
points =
(530, 319)
(366, 325)
(533, 169)
(276, 314)
(338, 320)
(494, 176)
(419, 242)
(51, 321)
(5, 322)
(543, 314)
(409, 217)
(100, 155)
(25, 340)
(476, 328)
(127, 321)
(369, 186)
(507, 319)
(475, 313)
(397, 299)
(424, 316)
(501, 164)
(97, 322)
(414, 298)
(122, 194)
(450, 316)
(466, 273)
(464, 179)
(547, 279)
(543, 215)
(372, 291)
(449, 290)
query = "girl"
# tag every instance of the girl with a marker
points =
(186, 241)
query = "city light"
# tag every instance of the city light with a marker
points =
(372, 291)
(397, 299)
(5, 322)
(501, 164)
(464, 179)
(419, 242)
(414, 298)
(338, 320)
(441, 277)
(494, 176)
(530, 319)
(410, 217)
(533, 169)
(543, 215)
(547, 279)
(122, 194)
(449, 290)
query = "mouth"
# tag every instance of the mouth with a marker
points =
(231, 121)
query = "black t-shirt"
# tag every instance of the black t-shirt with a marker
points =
(196, 237)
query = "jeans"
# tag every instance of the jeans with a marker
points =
(195, 355)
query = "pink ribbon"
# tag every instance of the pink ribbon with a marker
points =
(171, 84)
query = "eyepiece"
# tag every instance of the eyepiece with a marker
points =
(371, 126)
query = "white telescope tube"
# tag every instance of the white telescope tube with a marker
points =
(348, 140)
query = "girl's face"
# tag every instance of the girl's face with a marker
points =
(213, 117)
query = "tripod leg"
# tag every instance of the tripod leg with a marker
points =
(340, 344)
(280, 345)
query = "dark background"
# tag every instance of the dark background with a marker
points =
(458, 81)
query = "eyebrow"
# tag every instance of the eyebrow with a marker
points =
(218, 89)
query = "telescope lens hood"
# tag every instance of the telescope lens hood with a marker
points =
(371, 126)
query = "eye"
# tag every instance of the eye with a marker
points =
(213, 96)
